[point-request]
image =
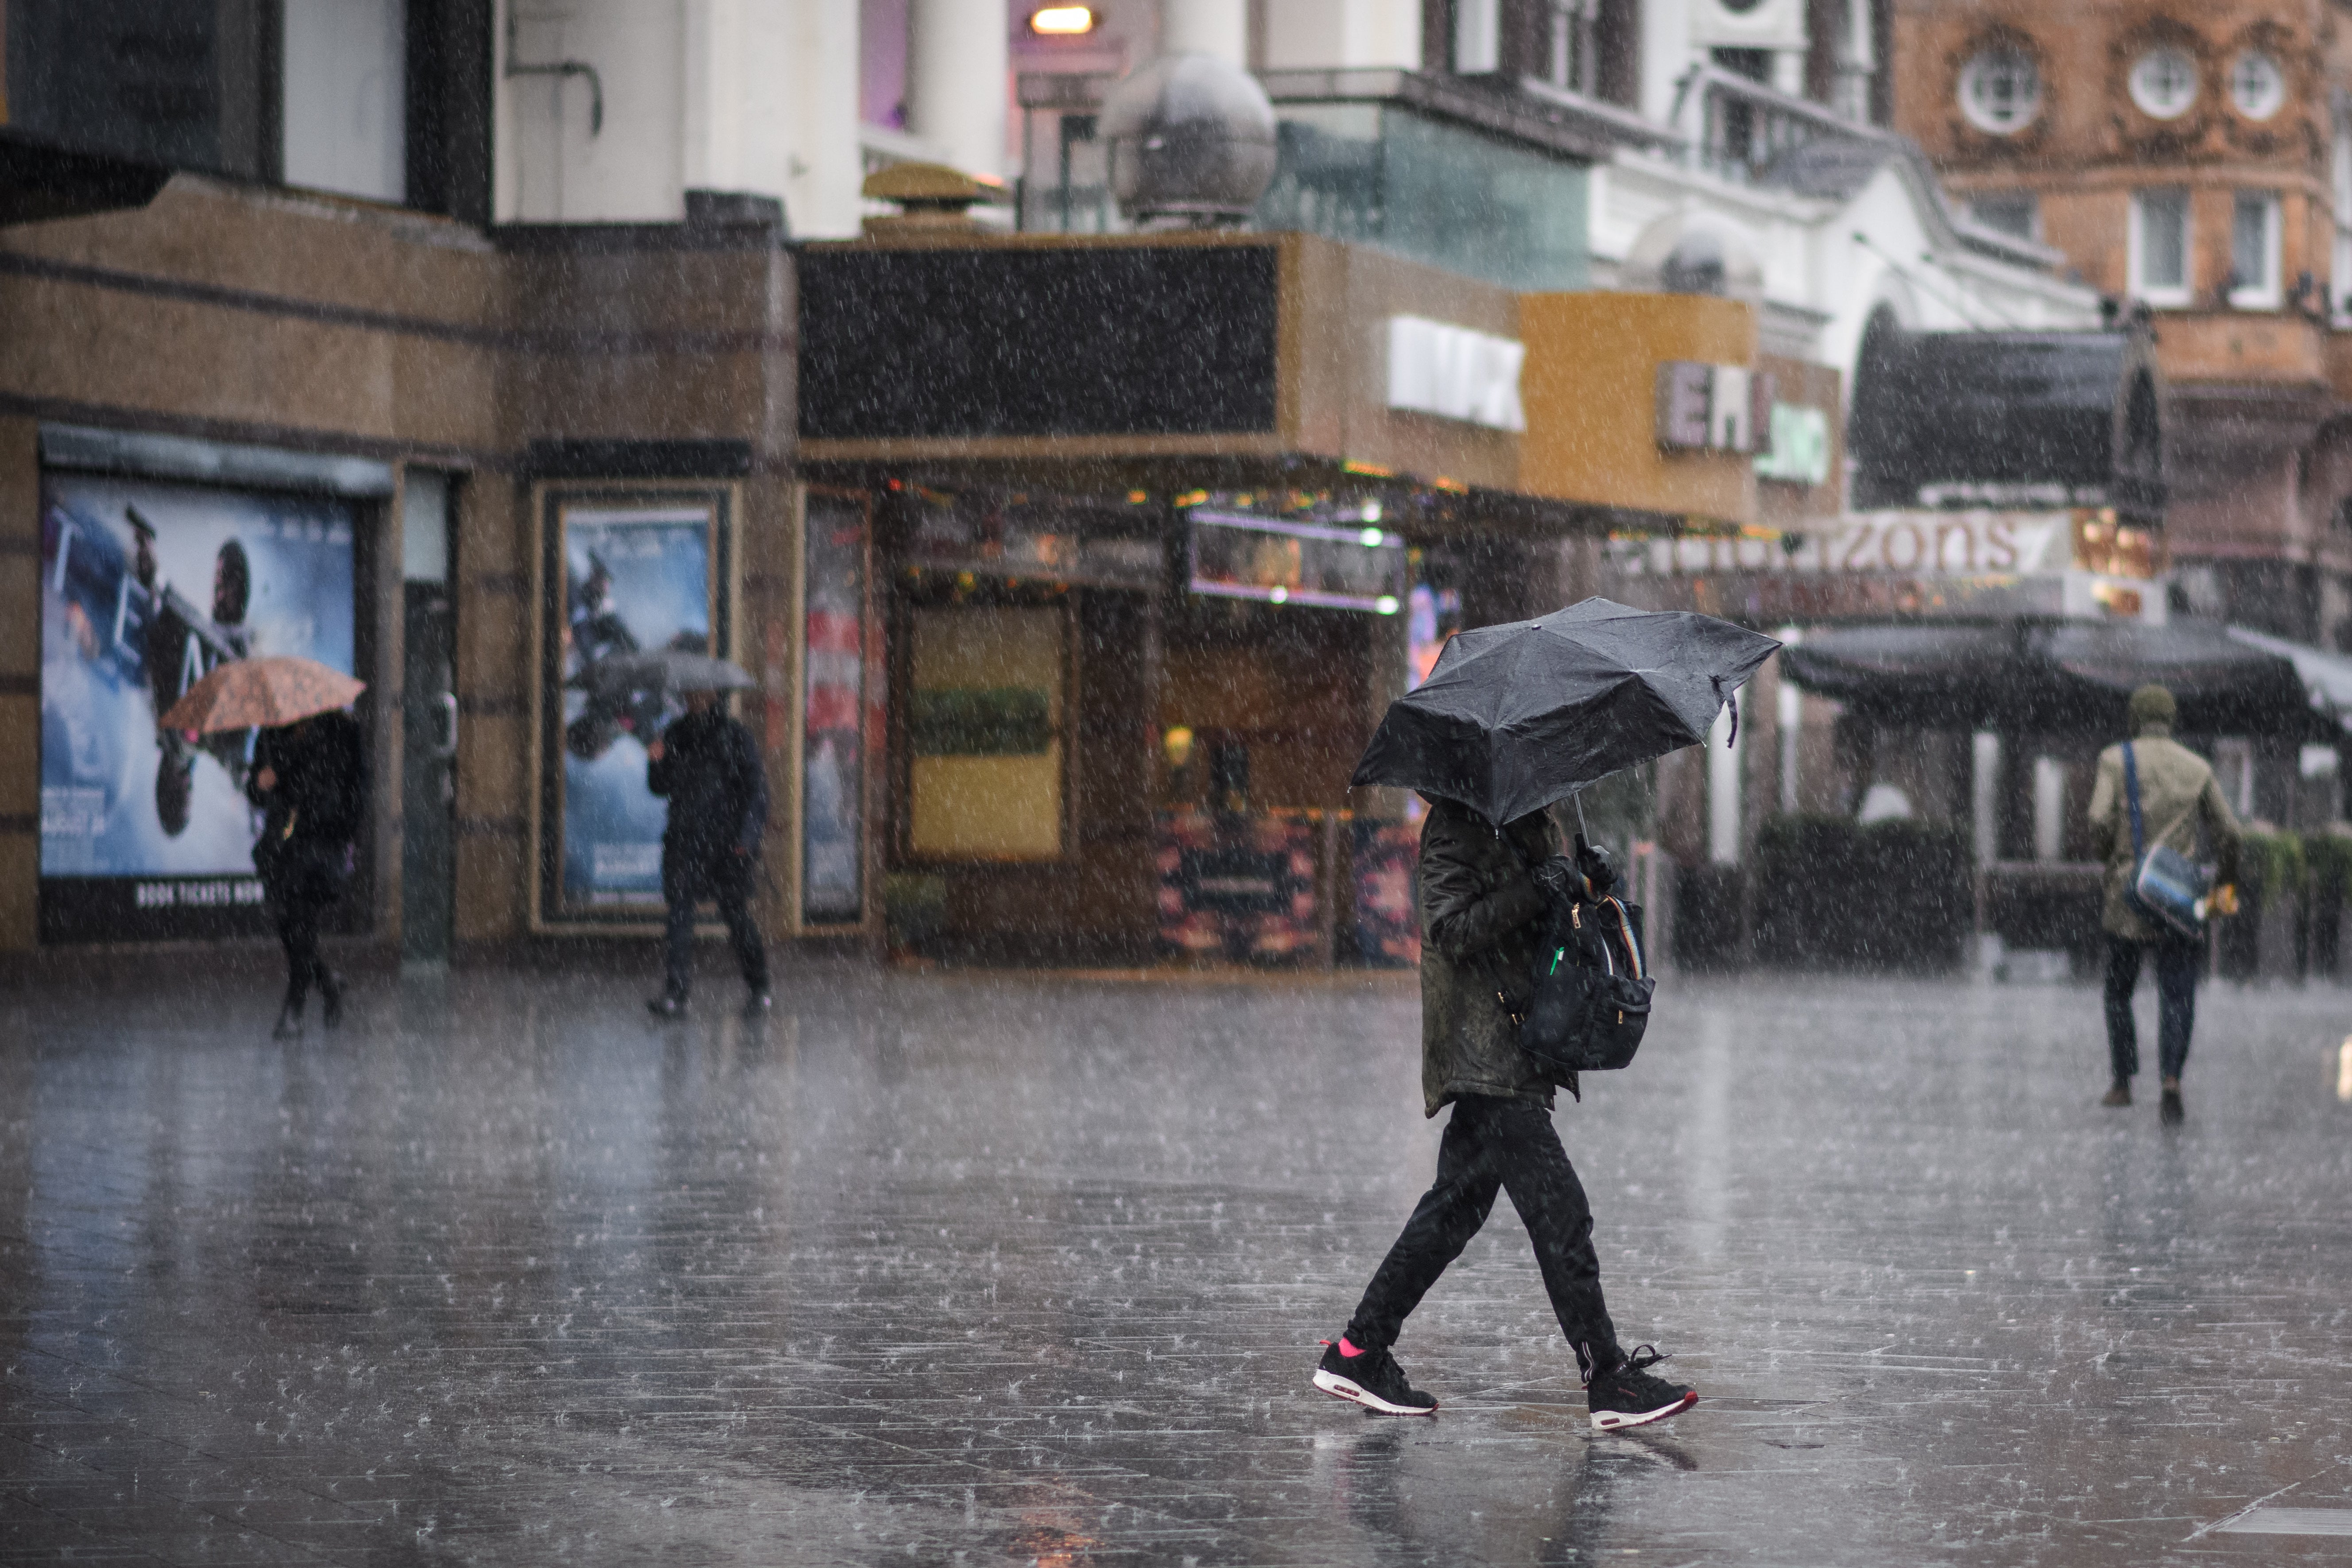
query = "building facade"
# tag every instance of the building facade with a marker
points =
(460, 344)
(2192, 161)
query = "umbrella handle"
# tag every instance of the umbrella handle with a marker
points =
(1732, 700)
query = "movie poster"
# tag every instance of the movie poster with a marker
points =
(631, 578)
(147, 586)
(833, 744)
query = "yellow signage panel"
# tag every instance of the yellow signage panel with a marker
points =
(1590, 390)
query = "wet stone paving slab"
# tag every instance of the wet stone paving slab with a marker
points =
(974, 1268)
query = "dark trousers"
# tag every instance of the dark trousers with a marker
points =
(298, 933)
(2177, 964)
(687, 879)
(303, 882)
(1494, 1143)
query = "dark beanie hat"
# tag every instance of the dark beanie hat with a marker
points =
(2152, 705)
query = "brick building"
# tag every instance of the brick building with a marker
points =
(2194, 160)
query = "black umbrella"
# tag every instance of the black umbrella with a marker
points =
(1520, 715)
(2051, 677)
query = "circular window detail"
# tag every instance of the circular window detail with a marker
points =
(2000, 91)
(2164, 83)
(2257, 87)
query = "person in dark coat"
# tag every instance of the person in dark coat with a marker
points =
(2178, 795)
(1482, 893)
(708, 767)
(310, 778)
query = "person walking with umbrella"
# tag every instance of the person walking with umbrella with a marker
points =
(308, 776)
(1512, 719)
(708, 767)
(2170, 790)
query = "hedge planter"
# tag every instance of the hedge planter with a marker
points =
(1891, 896)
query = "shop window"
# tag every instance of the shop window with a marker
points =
(2000, 91)
(2159, 247)
(984, 727)
(2010, 212)
(2255, 250)
(2164, 83)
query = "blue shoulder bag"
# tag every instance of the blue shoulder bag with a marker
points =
(2167, 888)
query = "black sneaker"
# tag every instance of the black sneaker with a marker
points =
(1627, 1395)
(289, 1023)
(669, 1005)
(2170, 1111)
(331, 999)
(1372, 1379)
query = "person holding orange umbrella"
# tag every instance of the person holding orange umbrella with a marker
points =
(308, 777)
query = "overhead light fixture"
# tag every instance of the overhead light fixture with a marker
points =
(1062, 21)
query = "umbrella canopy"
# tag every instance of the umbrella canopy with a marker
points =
(259, 693)
(663, 669)
(1520, 715)
(2051, 677)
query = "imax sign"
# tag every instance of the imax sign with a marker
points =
(1454, 373)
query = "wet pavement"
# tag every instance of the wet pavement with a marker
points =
(976, 1269)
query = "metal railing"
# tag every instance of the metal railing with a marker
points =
(1741, 130)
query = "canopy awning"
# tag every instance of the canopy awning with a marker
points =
(2053, 677)
(2326, 677)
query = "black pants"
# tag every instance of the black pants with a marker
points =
(2177, 964)
(303, 882)
(687, 879)
(1508, 1144)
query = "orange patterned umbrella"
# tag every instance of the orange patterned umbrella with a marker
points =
(257, 693)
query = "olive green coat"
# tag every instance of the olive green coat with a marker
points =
(1478, 909)
(2177, 792)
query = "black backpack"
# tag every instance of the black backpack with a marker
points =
(1590, 996)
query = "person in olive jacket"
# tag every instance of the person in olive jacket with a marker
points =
(2176, 795)
(310, 779)
(709, 766)
(1482, 892)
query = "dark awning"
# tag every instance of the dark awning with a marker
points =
(2044, 419)
(2051, 678)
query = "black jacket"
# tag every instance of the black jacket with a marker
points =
(718, 791)
(322, 789)
(1479, 920)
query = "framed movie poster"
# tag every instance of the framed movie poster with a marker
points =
(836, 633)
(622, 570)
(147, 585)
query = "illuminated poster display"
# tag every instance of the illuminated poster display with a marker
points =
(833, 714)
(1358, 566)
(625, 572)
(146, 587)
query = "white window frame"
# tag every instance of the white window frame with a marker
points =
(2030, 198)
(2269, 107)
(2143, 85)
(1477, 37)
(2263, 293)
(2339, 274)
(1981, 63)
(2163, 293)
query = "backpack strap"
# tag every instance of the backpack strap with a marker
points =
(1632, 947)
(2131, 796)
